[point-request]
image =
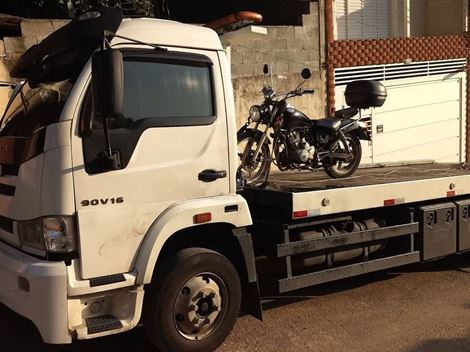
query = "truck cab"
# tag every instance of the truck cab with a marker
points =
(90, 203)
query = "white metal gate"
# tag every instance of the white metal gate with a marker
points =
(424, 115)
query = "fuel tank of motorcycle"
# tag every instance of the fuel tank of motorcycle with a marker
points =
(294, 119)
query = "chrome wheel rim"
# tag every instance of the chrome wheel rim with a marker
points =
(199, 306)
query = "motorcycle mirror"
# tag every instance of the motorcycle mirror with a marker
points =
(306, 73)
(266, 69)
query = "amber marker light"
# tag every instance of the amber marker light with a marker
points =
(202, 218)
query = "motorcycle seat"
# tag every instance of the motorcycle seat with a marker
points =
(328, 123)
(346, 113)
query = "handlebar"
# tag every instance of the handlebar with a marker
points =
(269, 93)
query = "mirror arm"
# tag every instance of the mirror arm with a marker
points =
(301, 84)
(113, 157)
(107, 140)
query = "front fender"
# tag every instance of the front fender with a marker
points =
(245, 132)
(181, 216)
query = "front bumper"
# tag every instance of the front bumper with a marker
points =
(36, 290)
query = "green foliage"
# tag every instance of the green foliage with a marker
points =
(68, 8)
(35, 8)
(129, 7)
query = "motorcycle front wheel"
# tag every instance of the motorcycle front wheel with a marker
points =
(252, 170)
(340, 168)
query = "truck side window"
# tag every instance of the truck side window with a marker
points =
(170, 89)
(166, 90)
(161, 89)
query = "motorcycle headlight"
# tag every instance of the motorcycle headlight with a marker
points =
(255, 113)
(48, 235)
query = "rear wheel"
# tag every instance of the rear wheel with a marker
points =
(252, 170)
(193, 303)
(340, 168)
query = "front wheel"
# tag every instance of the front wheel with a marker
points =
(252, 169)
(340, 168)
(193, 303)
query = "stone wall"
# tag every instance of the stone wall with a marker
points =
(288, 50)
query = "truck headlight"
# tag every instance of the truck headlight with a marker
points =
(31, 238)
(48, 235)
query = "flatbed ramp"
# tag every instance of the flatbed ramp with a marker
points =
(306, 194)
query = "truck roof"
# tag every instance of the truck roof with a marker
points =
(62, 54)
(168, 33)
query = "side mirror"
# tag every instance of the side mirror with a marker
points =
(306, 73)
(106, 88)
(107, 83)
(107, 91)
(266, 69)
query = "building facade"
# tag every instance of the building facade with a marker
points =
(419, 49)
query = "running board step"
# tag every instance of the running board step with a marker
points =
(103, 323)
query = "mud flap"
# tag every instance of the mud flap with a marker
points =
(251, 295)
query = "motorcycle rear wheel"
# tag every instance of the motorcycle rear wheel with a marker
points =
(252, 171)
(340, 169)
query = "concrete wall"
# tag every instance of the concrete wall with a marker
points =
(11, 48)
(444, 17)
(437, 17)
(288, 50)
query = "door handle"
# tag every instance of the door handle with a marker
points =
(211, 175)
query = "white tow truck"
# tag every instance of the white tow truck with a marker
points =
(119, 201)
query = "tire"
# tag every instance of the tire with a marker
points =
(184, 295)
(255, 171)
(338, 170)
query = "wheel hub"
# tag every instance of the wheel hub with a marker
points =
(198, 306)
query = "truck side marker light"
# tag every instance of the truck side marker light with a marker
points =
(393, 201)
(450, 193)
(300, 214)
(202, 218)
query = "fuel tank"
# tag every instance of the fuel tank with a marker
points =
(294, 119)
(330, 259)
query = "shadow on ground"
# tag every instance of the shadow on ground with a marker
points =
(440, 345)
(18, 334)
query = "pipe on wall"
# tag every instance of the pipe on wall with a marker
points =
(330, 73)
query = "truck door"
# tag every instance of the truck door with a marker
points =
(172, 142)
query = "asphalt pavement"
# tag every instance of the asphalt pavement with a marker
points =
(419, 308)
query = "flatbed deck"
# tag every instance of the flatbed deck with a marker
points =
(308, 194)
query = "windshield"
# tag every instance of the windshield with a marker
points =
(35, 108)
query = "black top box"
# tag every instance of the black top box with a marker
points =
(365, 94)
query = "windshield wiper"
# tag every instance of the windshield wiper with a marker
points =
(7, 84)
(17, 88)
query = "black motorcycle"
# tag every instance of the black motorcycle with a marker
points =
(299, 143)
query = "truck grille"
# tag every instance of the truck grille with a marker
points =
(6, 224)
(7, 190)
(10, 170)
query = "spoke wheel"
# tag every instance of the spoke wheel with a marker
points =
(252, 169)
(341, 168)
